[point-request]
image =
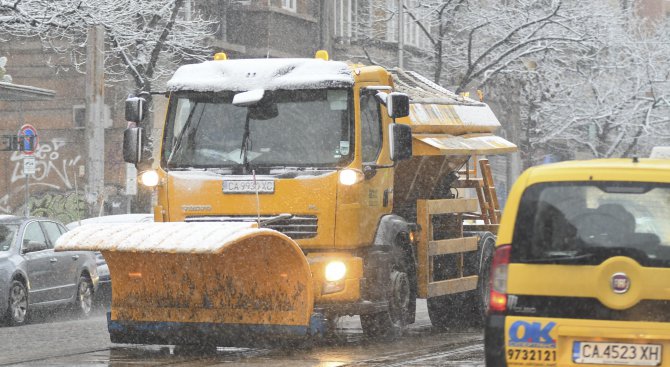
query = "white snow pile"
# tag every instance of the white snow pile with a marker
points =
(269, 74)
(173, 237)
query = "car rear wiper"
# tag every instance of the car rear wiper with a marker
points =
(559, 258)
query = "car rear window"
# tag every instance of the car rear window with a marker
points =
(7, 233)
(588, 222)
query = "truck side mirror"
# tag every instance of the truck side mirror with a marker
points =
(397, 105)
(135, 109)
(400, 136)
(132, 145)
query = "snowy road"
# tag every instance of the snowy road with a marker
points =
(72, 342)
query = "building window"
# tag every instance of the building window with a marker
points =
(392, 24)
(412, 33)
(346, 21)
(289, 4)
(79, 115)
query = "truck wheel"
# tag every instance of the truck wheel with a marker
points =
(17, 310)
(478, 301)
(391, 323)
(443, 311)
(84, 300)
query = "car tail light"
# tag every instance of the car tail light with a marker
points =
(498, 298)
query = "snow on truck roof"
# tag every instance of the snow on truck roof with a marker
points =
(269, 74)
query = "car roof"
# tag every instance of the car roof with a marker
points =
(611, 169)
(116, 218)
(15, 219)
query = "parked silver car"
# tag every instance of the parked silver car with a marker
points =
(32, 275)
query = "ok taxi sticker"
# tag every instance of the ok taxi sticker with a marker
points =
(531, 334)
(530, 342)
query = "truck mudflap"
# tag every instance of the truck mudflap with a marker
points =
(201, 279)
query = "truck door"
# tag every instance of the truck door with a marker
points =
(378, 183)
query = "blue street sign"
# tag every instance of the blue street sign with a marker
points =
(28, 138)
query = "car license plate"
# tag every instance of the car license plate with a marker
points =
(617, 353)
(248, 186)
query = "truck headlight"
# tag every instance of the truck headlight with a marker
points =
(335, 270)
(349, 177)
(149, 178)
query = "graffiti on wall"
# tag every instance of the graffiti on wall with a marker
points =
(51, 186)
(63, 206)
(50, 169)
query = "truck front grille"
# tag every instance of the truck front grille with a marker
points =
(296, 227)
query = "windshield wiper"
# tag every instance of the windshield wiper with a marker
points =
(559, 258)
(180, 138)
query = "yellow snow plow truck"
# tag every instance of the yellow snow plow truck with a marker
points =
(290, 192)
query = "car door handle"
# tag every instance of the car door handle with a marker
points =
(53, 259)
(75, 257)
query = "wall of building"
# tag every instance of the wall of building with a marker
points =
(60, 157)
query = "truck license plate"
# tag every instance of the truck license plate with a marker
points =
(247, 186)
(617, 353)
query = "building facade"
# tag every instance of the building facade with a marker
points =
(364, 31)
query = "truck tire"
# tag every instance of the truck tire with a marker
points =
(444, 311)
(401, 297)
(478, 301)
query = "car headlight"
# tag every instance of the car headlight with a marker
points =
(149, 178)
(335, 270)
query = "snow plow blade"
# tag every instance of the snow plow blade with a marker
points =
(201, 283)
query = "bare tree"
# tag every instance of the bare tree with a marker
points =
(145, 40)
(612, 101)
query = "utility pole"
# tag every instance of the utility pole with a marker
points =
(401, 33)
(95, 106)
(324, 25)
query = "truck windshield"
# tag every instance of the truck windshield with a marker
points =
(302, 128)
(586, 223)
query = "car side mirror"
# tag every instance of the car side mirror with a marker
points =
(33, 246)
(400, 136)
(132, 145)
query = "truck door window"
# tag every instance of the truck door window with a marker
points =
(371, 128)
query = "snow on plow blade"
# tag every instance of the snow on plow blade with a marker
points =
(184, 283)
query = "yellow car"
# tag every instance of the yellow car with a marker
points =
(581, 272)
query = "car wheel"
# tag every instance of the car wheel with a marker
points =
(84, 299)
(17, 312)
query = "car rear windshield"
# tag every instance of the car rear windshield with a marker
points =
(7, 233)
(589, 222)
